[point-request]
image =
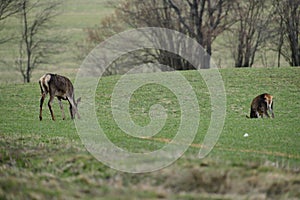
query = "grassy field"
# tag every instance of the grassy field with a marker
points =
(46, 159)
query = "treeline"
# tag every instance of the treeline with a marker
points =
(247, 26)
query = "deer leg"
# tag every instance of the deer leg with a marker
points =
(265, 112)
(73, 108)
(77, 101)
(62, 109)
(76, 112)
(258, 115)
(272, 113)
(50, 107)
(71, 111)
(41, 105)
(272, 110)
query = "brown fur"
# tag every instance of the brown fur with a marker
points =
(261, 105)
(60, 87)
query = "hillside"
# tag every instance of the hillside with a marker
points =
(47, 159)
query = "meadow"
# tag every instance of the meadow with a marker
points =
(46, 159)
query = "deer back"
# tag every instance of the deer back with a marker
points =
(60, 86)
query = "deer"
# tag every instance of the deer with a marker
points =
(60, 87)
(261, 105)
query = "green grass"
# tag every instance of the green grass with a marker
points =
(47, 159)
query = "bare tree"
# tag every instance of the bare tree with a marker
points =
(288, 31)
(7, 9)
(35, 43)
(202, 20)
(156, 13)
(251, 31)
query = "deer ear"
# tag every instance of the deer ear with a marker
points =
(79, 99)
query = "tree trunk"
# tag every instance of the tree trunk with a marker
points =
(25, 38)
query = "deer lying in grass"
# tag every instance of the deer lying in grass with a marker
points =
(60, 87)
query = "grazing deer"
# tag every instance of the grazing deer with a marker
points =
(60, 87)
(261, 105)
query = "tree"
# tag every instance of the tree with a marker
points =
(202, 20)
(251, 30)
(36, 43)
(155, 13)
(7, 9)
(288, 31)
